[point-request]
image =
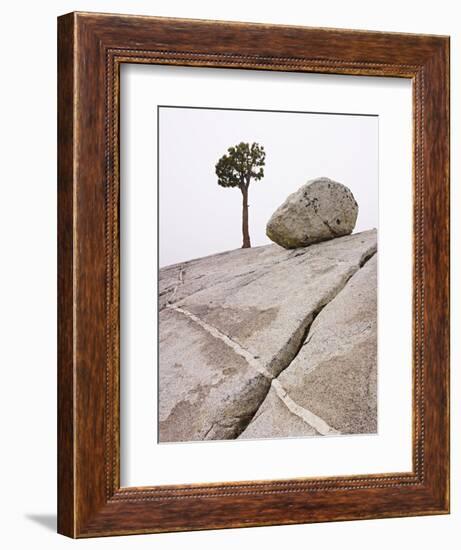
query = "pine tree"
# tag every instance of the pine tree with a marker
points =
(242, 164)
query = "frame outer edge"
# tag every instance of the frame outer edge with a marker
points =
(66, 497)
(437, 122)
(448, 176)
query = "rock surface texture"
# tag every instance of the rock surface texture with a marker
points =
(269, 342)
(334, 376)
(319, 210)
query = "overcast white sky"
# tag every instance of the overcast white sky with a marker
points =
(197, 217)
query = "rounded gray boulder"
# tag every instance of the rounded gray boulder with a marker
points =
(321, 209)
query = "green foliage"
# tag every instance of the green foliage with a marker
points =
(242, 163)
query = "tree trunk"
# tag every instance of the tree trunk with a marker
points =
(246, 234)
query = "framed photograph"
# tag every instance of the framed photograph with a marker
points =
(253, 277)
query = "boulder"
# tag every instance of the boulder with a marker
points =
(230, 323)
(319, 210)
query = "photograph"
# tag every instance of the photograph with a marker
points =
(267, 273)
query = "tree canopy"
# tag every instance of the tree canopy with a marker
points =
(241, 164)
